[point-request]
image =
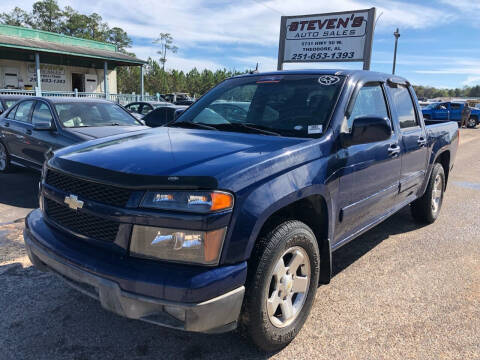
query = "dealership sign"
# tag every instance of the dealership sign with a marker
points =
(340, 36)
(50, 74)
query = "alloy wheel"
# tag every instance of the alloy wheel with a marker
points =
(289, 284)
(437, 193)
(3, 157)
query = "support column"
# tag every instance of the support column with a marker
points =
(142, 90)
(105, 79)
(38, 89)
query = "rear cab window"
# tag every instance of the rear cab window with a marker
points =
(405, 107)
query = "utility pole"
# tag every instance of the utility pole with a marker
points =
(397, 35)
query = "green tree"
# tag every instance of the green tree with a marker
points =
(165, 41)
(46, 15)
(119, 37)
(17, 17)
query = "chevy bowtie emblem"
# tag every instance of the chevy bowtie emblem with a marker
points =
(73, 202)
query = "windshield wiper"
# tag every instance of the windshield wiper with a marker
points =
(247, 127)
(188, 124)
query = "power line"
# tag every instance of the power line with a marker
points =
(267, 6)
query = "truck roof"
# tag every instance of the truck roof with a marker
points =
(355, 74)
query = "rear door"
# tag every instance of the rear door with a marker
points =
(413, 140)
(20, 127)
(456, 111)
(369, 183)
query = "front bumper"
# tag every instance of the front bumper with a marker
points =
(214, 315)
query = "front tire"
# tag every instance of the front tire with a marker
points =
(427, 208)
(5, 165)
(281, 285)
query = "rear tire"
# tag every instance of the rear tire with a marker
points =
(472, 122)
(427, 208)
(5, 165)
(281, 285)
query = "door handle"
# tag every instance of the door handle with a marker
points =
(394, 150)
(422, 141)
(28, 131)
(7, 124)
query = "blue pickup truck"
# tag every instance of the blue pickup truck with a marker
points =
(450, 111)
(221, 221)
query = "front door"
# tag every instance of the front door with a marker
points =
(441, 112)
(41, 140)
(19, 128)
(370, 177)
(414, 142)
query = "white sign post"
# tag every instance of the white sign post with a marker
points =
(333, 37)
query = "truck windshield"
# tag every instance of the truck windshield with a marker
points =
(90, 114)
(285, 105)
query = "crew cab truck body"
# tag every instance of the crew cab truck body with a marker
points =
(214, 222)
(450, 111)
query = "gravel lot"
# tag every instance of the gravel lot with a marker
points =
(401, 291)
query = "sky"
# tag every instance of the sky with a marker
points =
(438, 45)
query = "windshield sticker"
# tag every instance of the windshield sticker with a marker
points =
(315, 129)
(328, 80)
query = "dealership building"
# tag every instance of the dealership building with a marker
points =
(66, 65)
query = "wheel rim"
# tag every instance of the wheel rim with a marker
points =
(472, 122)
(437, 193)
(3, 157)
(288, 287)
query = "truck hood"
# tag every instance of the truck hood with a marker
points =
(95, 132)
(174, 153)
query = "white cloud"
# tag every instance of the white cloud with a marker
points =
(471, 80)
(238, 22)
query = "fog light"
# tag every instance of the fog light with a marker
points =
(176, 312)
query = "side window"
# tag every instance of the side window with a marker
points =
(23, 111)
(11, 114)
(455, 106)
(146, 109)
(404, 104)
(41, 113)
(134, 107)
(370, 101)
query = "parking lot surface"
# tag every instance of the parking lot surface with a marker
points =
(400, 291)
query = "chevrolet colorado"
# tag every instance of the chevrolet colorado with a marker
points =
(226, 219)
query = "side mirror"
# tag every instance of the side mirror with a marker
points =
(368, 129)
(43, 125)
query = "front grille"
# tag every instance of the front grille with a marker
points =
(81, 223)
(105, 194)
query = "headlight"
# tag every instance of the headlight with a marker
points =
(191, 201)
(203, 247)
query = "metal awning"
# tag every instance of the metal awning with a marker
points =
(43, 46)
